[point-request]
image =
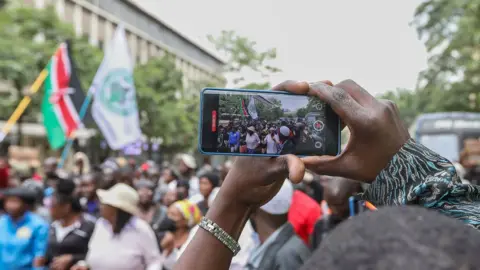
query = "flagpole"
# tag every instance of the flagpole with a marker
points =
(71, 138)
(23, 105)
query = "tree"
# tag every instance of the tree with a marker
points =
(165, 111)
(29, 38)
(242, 55)
(451, 33)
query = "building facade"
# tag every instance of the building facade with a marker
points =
(148, 36)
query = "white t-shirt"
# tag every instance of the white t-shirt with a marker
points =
(272, 143)
(252, 141)
(135, 248)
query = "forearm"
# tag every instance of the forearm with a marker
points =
(417, 175)
(205, 252)
(410, 175)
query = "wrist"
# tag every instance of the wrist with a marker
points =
(229, 214)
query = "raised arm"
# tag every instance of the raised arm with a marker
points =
(250, 183)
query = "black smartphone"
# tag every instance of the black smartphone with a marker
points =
(266, 123)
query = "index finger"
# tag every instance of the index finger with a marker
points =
(296, 87)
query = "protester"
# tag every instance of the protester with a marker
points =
(286, 142)
(70, 232)
(167, 181)
(208, 182)
(398, 238)
(88, 196)
(184, 216)
(146, 206)
(252, 140)
(38, 207)
(120, 239)
(183, 189)
(23, 234)
(234, 140)
(82, 164)
(279, 247)
(272, 142)
(187, 168)
(303, 214)
(337, 191)
(399, 172)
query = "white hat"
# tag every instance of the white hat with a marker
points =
(251, 129)
(189, 161)
(121, 196)
(280, 204)
(285, 131)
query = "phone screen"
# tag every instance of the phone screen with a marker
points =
(266, 123)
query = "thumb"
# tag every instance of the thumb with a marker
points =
(296, 168)
(328, 165)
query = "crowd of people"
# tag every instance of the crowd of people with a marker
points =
(255, 213)
(118, 215)
(264, 137)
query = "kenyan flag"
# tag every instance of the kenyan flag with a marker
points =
(244, 109)
(62, 99)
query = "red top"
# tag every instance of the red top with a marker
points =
(4, 177)
(303, 214)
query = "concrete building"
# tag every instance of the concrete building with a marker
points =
(148, 36)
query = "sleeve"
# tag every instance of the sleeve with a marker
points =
(152, 257)
(40, 241)
(417, 175)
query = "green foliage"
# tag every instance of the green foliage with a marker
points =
(165, 110)
(29, 38)
(243, 56)
(451, 33)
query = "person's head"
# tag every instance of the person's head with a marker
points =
(17, 201)
(37, 188)
(284, 133)
(337, 191)
(145, 190)
(272, 131)
(274, 213)
(187, 164)
(185, 214)
(49, 166)
(251, 130)
(398, 237)
(168, 175)
(64, 202)
(118, 205)
(208, 182)
(182, 189)
(170, 197)
(88, 186)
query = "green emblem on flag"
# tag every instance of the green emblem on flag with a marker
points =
(118, 92)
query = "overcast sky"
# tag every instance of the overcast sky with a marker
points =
(369, 41)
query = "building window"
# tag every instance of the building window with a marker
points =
(86, 21)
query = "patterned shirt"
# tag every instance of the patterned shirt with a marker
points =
(417, 175)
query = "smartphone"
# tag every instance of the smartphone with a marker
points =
(266, 123)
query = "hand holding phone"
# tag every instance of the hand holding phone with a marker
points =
(266, 123)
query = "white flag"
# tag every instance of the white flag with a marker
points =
(252, 110)
(115, 105)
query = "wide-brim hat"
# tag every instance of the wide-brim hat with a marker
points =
(120, 196)
(189, 161)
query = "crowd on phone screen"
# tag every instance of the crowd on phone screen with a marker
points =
(264, 137)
